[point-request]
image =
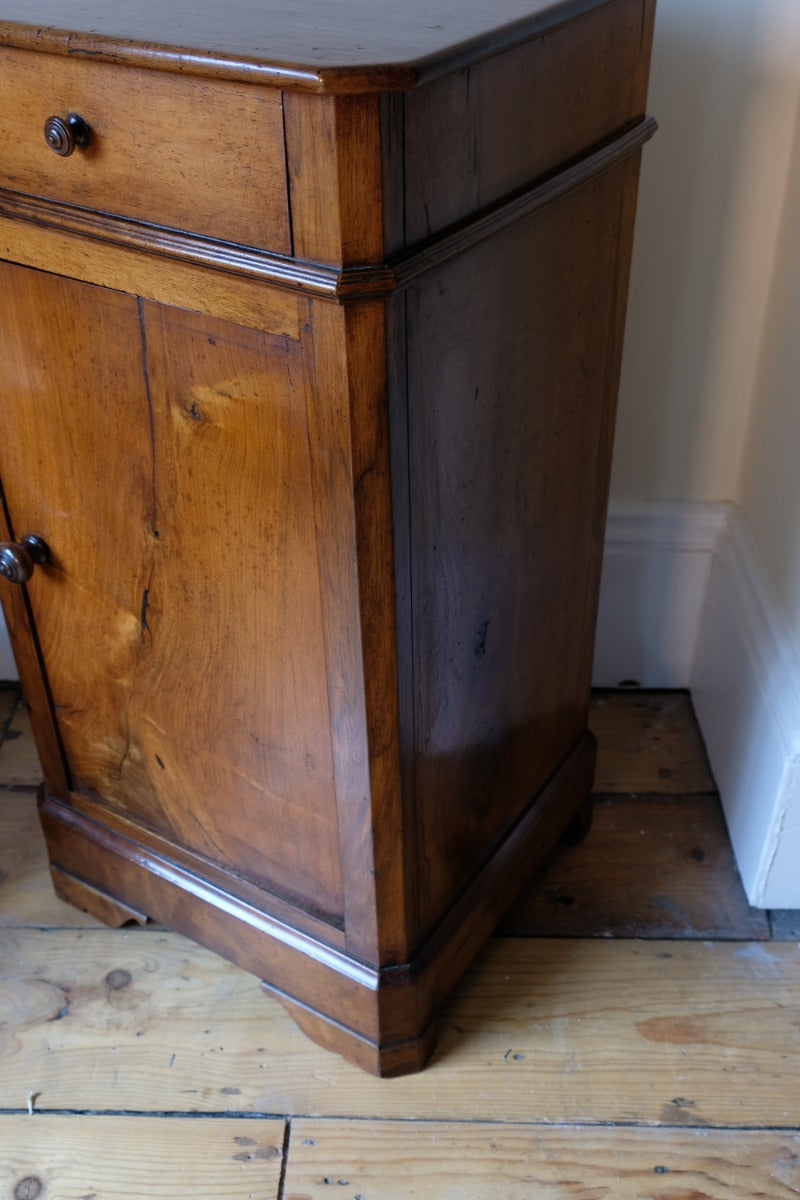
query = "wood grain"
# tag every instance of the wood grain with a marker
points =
(47, 321)
(90, 900)
(651, 866)
(508, 465)
(153, 277)
(384, 1160)
(387, 1007)
(184, 561)
(233, 594)
(27, 657)
(346, 414)
(333, 160)
(218, 625)
(785, 924)
(664, 1033)
(340, 47)
(650, 743)
(143, 1021)
(154, 127)
(186, 253)
(26, 893)
(124, 1158)
(473, 129)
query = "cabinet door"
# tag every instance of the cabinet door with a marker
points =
(164, 458)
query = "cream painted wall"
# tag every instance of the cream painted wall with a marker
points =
(724, 88)
(770, 478)
(710, 412)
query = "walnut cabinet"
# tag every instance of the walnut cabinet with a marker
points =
(310, 329)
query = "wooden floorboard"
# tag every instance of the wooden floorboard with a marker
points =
(648, 742)
(358, 1160)
(19, 764)
(652, 866)
(26, 894)
(785, 924)
(637, 1038)
(551, 1031)
(143, 1158)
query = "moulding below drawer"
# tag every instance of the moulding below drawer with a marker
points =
(340, 284)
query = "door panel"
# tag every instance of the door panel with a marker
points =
(72, 446)
(164, 457)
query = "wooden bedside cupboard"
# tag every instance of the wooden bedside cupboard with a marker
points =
(310, 327)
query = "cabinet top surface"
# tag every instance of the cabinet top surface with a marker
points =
(320, 45)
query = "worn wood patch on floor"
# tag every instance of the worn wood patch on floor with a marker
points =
(354, 1160)
(678, 1033)
(651, 867)
(785, 924)
(129, 1158)
(648, 742)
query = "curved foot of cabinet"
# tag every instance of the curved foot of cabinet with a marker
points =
(400, 1058)
(91, 900)
(380, 1018)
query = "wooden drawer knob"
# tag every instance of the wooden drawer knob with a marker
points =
(64, 134)
(17, 559)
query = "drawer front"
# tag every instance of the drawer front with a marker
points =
(206, 156)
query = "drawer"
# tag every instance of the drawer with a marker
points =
(206, 156)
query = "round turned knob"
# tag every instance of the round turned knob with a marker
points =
(17, 559)
(64, 134)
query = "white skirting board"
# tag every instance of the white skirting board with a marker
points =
(656, 567)
(685, 601)
(746, 692)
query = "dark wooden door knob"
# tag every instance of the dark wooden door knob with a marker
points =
(18, 559)
(63, 134)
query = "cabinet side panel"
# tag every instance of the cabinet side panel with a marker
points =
(511, 390)
(482, 133)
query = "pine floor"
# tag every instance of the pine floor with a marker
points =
(632, 1033)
